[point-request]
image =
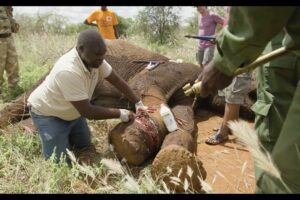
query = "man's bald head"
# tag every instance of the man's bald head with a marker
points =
(91, 48)
(91, 39)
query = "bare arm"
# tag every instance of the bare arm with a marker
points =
(116, 32)
(221, 22)
(79, 99)
(218, 19)
(91, 24)
(87, 110)
(122, 86)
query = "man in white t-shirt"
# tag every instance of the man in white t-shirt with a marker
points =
(60, 105)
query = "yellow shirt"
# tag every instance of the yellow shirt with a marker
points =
(105, 21)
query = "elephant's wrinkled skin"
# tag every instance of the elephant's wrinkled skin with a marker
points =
(132, 141)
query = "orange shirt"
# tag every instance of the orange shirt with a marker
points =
(105, 21)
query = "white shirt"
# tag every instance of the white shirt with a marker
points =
(69, 80)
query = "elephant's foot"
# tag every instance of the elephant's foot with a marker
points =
(178, 159)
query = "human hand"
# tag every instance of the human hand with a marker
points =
(212, 80)
(126, 115)
(192, 89)
(141, 109)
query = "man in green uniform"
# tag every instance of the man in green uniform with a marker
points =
(278, 111)
(274, 95)
(8, 54)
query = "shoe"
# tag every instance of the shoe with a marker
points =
(215, 139)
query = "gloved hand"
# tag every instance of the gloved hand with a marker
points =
(194, 89)
(212, 80)
(140, 105)
(126, 115)
(141, 108)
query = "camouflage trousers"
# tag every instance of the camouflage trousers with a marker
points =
(8, 61)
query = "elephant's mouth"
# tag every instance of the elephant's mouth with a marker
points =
(147, 127)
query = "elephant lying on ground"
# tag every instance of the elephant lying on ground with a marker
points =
(145, 138)
(122, 54)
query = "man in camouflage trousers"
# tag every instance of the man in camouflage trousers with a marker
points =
(8, 54)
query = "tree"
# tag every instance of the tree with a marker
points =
(48, 23)
(220, 10)
(159, 23)
(192, 24)
(124, 25)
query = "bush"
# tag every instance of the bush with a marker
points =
(124, 26)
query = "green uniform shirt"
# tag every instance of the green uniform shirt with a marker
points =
(248, 32)
(277, 108)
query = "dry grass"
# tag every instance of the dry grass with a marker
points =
(249, 138)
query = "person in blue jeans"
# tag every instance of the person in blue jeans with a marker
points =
(60, 105)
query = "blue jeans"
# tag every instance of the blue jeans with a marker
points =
(58, 134)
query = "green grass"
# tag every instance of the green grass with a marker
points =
(36, 55)
(24, 170)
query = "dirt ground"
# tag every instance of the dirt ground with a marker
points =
(229, 166)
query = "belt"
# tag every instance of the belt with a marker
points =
(5, 35)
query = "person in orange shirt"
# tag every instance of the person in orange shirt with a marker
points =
(106, 21)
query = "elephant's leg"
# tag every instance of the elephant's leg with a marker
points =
(140, 139)
(178, 148)
(186, 135)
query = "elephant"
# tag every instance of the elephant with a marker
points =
(146, 137)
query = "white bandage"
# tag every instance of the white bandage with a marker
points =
(124, 115)
(139, 105)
